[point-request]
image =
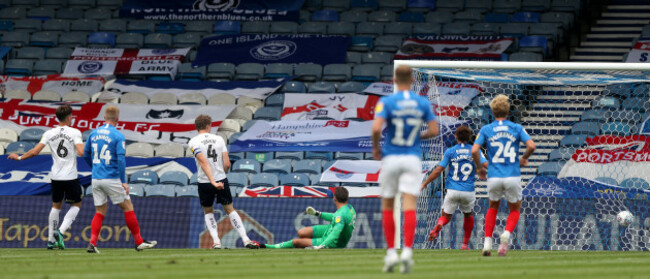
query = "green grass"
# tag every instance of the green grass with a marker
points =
(361, 263)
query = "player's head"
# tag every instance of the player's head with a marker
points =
(64, 113)
(500, 106)
(463, 133)
(112, 114)
(203, 122)
(341, 195)
(403, 76)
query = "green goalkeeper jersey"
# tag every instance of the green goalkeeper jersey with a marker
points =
(340, 229)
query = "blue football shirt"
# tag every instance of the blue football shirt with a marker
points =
(502, 139)
(405, 113)
(104, 152)
(462, 172)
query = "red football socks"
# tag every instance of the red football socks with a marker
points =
(468, 226)
(409, 228)
(132, 223)
(513, 218)
(96, 227)
(490, 221)
(389, 228)
(443, 220)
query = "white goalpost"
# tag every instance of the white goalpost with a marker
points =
(569, 203)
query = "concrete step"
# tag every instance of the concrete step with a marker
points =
(606, 44)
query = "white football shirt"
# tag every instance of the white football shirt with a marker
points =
(62, 141)
(212, 147)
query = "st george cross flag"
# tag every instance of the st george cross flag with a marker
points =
(54, 83)
(120, 61)
(302, 106)
(361, 171)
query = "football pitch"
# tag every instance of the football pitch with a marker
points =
(347, 263)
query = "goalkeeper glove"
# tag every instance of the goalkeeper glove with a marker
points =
(311, 211)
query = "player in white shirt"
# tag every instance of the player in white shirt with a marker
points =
(66, 144)
(212, 163)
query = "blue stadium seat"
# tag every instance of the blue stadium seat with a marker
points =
(73, 39)
(351, 87)
(307, 166)
(565, 5)
(535, 5)
(550, 168)
(607, 102)
(598, 116)
(426, 29)
(537, 44)
(136, 190)
(294, 179)
(188, 40)
(336, 5)
(476, 114)
(514, 29)
(187, 191)
(313, 28)
(635, 183)
(174, 177)
(561, 154)
(199, 27)
(388, 43)
(268, 113)
(84, 25)
(627, 116)
(506, 6)
(320, 155)
(100, 14)
(82, 4)
(361, 44)
(144, 177)
(32, 135)
(141, 26)
(47, 67)
(607, 180)
(234, 137)
(221, 71)
(234, 156)
(278, 70)
(289, 155)
(411, 17)
(354, 16)
(101, 39)
(449, 6)
(112, 25)
(566, 19)
(478, 5)
(170, 28)
(259, 156)
(249, 71)
(586, 128)
(573, 140)
(308, 72)
(337, 72)
(249, 123)
(28, 24)
(264, 180)
(44, 39)
(247, 166)
(19, 67)
(19, 147)
(382, 16)
(13, 13)
(370, 29)
(129, 40)
(283, 27)
(59, 25)
(340, 28)
(6, 25)
(403, 29)
(188, 73)
(156, 40)
(114, 4)
(526, 57)
(348, 155)
(160, 190)
(456, 28)
(227, 27)
(237, 179)
(352, 58)
(322, 87)
(279, 166)
(617, 128)
(194, 179)
(484, 28)
(528, 17)
(496, 18)
(419, 5)
(640, 105)
(33, 53)
(325, 15)
(275, 100)
(366, 73)
(552, 31)
(69, 13)
(470, 16)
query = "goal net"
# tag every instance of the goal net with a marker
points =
(592, 160)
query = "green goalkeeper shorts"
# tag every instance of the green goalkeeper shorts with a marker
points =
(318, 236)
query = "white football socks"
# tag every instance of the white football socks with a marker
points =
(68, 219)
(236, 222)
(53, 223)
(407, 253)
(505, 235)
(487, 245)
(211, 223)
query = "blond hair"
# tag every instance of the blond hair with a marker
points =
(500, 106)
(403, 75)
(112, 113)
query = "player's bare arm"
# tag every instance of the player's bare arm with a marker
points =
(206, 169)
(530, 148)
(432, 130)
(80, 149)
(226, 161)
(481, 170)
(434, 174)
(377, 126)
(31, 153)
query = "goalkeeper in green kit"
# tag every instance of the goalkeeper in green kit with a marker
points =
(335, 235)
